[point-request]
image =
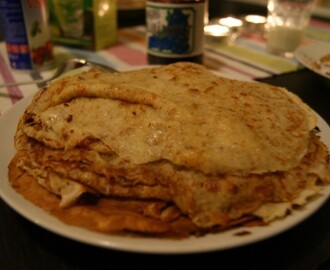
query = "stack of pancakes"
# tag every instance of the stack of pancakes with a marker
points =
(167, 151)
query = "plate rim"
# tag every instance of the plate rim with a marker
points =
(305, 58)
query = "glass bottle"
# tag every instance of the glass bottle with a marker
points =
(175, 31)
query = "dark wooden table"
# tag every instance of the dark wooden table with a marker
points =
(26, 246)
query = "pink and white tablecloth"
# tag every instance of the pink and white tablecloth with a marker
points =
(246, 58)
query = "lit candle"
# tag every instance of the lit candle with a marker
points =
(216, 30)
(234, 24)
(257, 19)
(254, 23)
(231, 22)
(216, 33)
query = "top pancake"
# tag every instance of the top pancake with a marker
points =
(182, 113)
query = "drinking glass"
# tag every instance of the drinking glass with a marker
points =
(286, 21)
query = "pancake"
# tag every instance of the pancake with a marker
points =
(221, 152)
(152, 114)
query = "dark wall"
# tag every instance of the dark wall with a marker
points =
(223, 8)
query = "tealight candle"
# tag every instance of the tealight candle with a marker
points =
(254, 23)
(216, 30)
(216, 33)
(256, 19)
(231, 22)
(234, 24)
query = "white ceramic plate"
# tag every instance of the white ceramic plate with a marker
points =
(309, 55)
(220, 241)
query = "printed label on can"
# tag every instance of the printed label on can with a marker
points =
(175, 30)
(27, 34)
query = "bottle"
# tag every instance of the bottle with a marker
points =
(27, 34)
(175, 31)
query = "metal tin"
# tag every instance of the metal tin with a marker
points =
(26, 33)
